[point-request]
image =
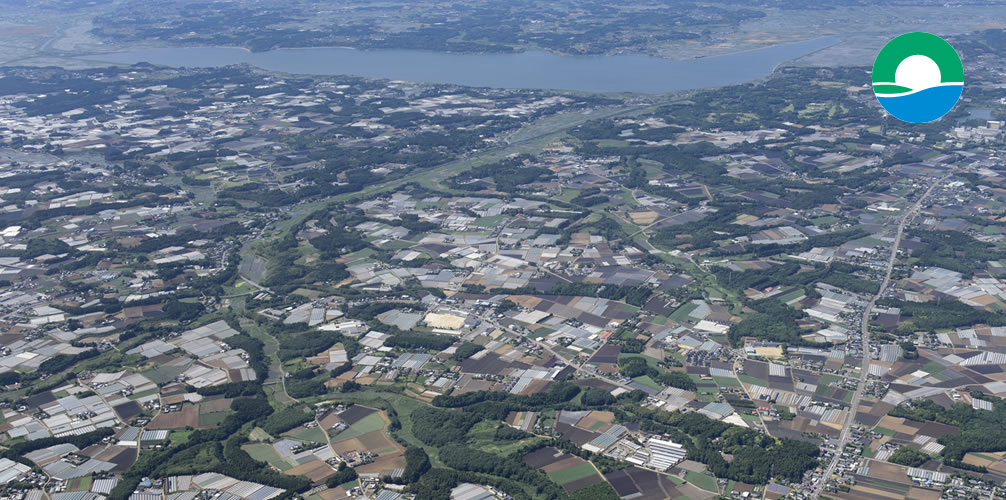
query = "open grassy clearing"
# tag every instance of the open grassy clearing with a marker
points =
(703, 481)
(266, 453)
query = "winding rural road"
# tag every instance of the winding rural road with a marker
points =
(577, 367)
(850, 418)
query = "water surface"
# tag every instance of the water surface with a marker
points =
(612, 73)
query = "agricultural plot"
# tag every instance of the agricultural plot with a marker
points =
(703, 481)
(748, 379)
(212, 413)
(681, 314)
(301, 433)
(257, 434)
(187, 417)
(266, 453)
(483, 437)
(523, 420)
(368, 432)
(179, 437)
(569, 471)
(638, 483)
(355, 413)
(726, 382)
(212, 419)
(597, 421)
(291, 458)
(564, 476)
(890, 481)
(315, 470)
(214, 406)
(80, 484)
(122, 457)
(368, 424)
(165, 373)
(982, 459)
(128, 410)
(648, 382)
(337, 493)
(834, 395)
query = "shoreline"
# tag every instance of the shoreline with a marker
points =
(584, 75)
(838, 39)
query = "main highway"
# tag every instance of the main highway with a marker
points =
(864, 371)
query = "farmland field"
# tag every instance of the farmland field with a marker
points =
(164, 373)
(703, 481)
(188, 417)
(212, 419)
(370, 423)
(571, 474)
(266, 453)
(314, 434)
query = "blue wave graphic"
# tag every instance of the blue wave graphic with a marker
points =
(923, 106)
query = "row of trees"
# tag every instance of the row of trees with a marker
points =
(955, 251)
(635, 366)
(794, 274)
(286, 419)
(908, 456)
(509, 175)
(756, 457)
(219, 450)
(463, 458)
(635, 295)
(415, 340)
(772, 320)
(980, 430)
(940, 314)
(465, 351)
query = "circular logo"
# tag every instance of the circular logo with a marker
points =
(918, 77)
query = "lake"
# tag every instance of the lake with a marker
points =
(614, 73)
(976, 114)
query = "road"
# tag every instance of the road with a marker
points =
(282, 396)
(579, 369)
(529, 138)
(864, 371)
(254, 284)
(276, 375)
(526, 139)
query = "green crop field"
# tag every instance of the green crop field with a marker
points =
(265, 453)
(748, 379)
(932, 367)
(164, 374)
(681, 314)
(211, 419)
(370, 423)
(650, 361)
(490, 221)
(178, 437)
(703, 481)
(304, 434)
(80, 483)
(257, 434)
(726, 382)
(648, 382)
(572, 474)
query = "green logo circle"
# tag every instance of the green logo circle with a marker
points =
(918, 77)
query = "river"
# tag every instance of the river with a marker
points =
(611, 73)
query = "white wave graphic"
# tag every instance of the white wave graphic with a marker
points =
(915, 91)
